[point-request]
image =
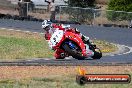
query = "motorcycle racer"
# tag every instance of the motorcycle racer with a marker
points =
(49, 29)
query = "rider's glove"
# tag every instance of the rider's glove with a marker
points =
(86, 38)
(76, 30)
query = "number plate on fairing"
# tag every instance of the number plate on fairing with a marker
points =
(55, 38)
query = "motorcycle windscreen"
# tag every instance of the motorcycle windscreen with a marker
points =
(55, 38)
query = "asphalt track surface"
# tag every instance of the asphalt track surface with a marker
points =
(116, 35)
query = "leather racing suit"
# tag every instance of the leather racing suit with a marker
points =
(59, 53)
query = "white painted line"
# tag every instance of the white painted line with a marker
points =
(120, 54)
(35, 32)
(29, 60)
(21, 31)
(10, 29)
(42, 33)
(121, 50)
(130, 51)
(3, 28)
(27, 31)
(17, 30)
(46, 59)
(112, 55)
(68, 58)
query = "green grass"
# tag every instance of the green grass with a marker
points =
(55, 82)
(105, 46)
(20, 48)
(56, 76)
(20, 45)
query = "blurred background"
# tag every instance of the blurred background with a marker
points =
(99, 14)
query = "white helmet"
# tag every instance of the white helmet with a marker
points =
(46, 23)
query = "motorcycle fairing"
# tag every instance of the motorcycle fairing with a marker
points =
(77, 39)
(56, 38)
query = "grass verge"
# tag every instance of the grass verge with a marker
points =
(56, 77)
(16, 45)
(20, 45)
(105, 46)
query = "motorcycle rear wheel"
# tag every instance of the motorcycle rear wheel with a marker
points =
(97, 54)
(74, 53)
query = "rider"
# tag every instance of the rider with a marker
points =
(49, 29)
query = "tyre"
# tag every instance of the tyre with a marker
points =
(97, 54)
(73, 52)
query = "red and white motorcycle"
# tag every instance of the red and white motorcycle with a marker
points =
(73, 45)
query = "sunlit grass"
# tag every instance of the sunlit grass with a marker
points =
(15, 48)
(105, 46)
(20, 45)
(15, 45)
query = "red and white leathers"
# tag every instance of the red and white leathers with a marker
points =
(49, 28)
(59, 53)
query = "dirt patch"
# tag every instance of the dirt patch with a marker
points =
(20, 34)
(21, 72)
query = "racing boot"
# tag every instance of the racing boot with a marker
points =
(59, 54)
(88, 42)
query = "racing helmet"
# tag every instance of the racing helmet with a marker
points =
(46, 24)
